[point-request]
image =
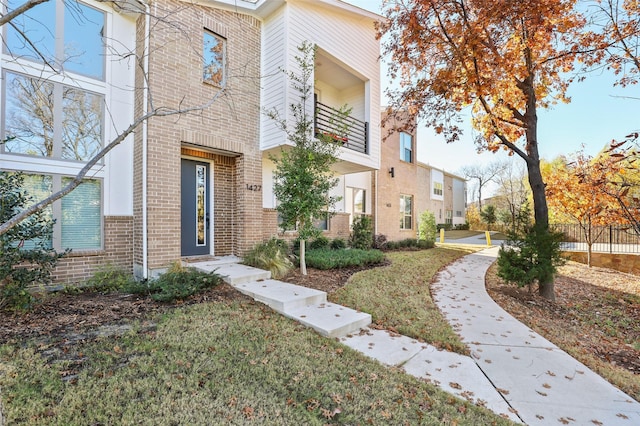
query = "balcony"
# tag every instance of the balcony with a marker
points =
(351, 132)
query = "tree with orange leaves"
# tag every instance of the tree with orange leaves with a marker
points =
(501, 59)
(572, 194)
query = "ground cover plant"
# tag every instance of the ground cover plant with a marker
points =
(398, 296)
(341, 258)
(225, 362)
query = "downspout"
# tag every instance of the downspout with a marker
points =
(145, 132)
(375, 213)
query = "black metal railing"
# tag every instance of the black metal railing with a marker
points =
(351, 132)
(607, 239)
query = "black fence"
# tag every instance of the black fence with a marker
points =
(606, 239)
(351, 132)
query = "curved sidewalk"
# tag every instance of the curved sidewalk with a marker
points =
(540, 382)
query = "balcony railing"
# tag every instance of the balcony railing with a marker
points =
(351, 132)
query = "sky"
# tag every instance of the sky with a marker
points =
(598, 113)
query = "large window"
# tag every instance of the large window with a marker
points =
(79, 213)
(406, 147)
(214, 54)
(406, 217)
(51, 119)
(63, 35)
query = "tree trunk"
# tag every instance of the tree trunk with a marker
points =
(303, 262)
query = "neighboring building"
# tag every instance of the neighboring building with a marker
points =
(405, 187)
(188, 185)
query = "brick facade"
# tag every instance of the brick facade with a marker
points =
(118, 252)
(225, 133)
(338, 227)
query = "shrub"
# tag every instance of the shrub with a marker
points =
(530, 258)
(462, 226)
(409, 244)
(379, 241)
(272, 256)
(177, 283)
(109, 278)
(427, 227)
(362, 233)
(320, 242)
(445, 226)
(343, 258)
(338, 244)
(26, 254)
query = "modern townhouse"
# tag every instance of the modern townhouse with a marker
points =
(194, 184)
(405, 187)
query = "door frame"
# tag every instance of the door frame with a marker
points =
(211, 197)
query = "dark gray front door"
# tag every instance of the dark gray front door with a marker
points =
(195, 208)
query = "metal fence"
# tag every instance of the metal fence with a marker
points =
(606, 239)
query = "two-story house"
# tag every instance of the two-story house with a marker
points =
(405, 187)
(76, 74)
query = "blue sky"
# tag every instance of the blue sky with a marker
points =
(597, 114)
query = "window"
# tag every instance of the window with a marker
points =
(34, 107)
(437, 188)
(322, 223)
(406, 218)
(80, 49)
(458, 213)
(214, 54)
(359, 201)
(448, 217)
(79, 226)
(406, 147)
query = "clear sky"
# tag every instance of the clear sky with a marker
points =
(597, 114)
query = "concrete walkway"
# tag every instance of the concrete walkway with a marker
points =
(512, 371)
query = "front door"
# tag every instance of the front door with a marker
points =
(195, 208)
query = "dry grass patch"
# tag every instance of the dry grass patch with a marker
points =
(398, 296)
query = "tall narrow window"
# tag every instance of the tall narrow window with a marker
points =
(406, 147)
(214, 54)
(406, 217)
(201, 205)
(359, 201)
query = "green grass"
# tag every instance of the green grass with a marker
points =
(398, 296)
(219, 363)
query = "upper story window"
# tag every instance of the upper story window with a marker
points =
(214, 54)
(63, 35)
(437, 188)
(406, 147)
(50, 119)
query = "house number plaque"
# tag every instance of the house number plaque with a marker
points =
(253, 187)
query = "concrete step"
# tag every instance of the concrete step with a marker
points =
(330, 319)
(233, 273)
(280, 296)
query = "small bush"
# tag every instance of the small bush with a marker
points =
(427, 227)
(109, 278)
(445, 226)
(319, 243)
(362, 233)
(335, 259)
(409, 244)
(379, 241)
(272, 256)
(462, 226)
(338, 244)
(177, 283)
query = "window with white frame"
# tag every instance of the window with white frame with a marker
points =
(214, 54)
(437, 188)
(406, 209)
(53, 101)
(78, 214)
(359, 201)
(406, 147)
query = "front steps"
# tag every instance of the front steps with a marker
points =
(303, 304)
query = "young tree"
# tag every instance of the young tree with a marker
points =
(78, 126)
(489, 216)
(512, 192)
(571, 190)
(303, 175)
(503, 60)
